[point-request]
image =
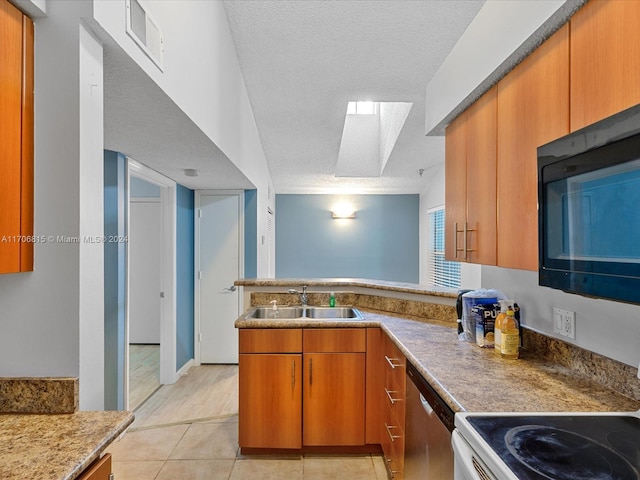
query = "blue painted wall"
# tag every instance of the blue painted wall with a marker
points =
(115, 197)
(250, 233)
(382, 242)
(185, 276)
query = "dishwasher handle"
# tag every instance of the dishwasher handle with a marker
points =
(425, 404)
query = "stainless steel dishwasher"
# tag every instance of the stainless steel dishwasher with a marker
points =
(429, 423)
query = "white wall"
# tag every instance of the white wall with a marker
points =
(208, 88)
(52, 318)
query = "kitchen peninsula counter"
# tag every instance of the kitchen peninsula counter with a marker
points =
(467, 377)
(56, 446)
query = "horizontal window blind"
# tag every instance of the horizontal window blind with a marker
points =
(440, 272)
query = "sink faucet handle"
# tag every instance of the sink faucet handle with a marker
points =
(274, 304)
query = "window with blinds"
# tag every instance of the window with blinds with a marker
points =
(440, 272)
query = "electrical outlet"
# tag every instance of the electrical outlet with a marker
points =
(564, 322)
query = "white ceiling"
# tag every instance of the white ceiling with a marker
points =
(304, 60)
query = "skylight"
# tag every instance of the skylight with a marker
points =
(368, 137)
(362, 108)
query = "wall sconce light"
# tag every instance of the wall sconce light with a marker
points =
(343, 210)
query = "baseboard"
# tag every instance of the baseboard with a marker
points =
(184, 370)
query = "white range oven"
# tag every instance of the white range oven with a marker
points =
(547, 446)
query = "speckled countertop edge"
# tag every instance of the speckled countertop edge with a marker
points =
(473, 379)
(349, 282)
(56, 447)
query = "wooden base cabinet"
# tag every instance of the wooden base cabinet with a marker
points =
(333, 399)
(270, 388)
(302, 388)
(270, 410)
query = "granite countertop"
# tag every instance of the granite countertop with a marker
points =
(55, 447)
(474, 379)
(349, 282)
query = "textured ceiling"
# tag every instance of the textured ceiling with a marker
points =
(303, 61)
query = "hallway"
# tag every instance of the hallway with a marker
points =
(189, 431)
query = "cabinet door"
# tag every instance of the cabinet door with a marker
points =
(16, 140)
(455, 175)
(333, 404)
(533, 109)
(481, 179)
(270, 401)
(605, 60)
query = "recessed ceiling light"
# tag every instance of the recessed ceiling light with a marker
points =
(191, 172)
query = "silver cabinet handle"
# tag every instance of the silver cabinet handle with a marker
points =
(391, 435)
(293, 374)
(310, 371)
(391, 360)
(232, 288)
(391, 399)
(455, 239)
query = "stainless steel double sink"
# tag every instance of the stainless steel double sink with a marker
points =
(310, 312)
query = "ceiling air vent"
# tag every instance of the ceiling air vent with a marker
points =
(144, 31)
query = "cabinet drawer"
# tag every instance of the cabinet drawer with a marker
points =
(334, 340)
(271, 340)
(393, 445)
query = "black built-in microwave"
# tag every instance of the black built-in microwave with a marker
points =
(589, 210)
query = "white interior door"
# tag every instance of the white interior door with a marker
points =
(219, 266)
(145, 233)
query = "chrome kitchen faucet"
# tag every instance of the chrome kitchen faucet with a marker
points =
(303, 296)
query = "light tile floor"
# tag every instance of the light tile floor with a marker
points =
(189, 431)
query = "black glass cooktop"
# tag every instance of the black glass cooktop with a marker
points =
(598, 447)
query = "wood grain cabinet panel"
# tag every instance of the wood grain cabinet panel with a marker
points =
(334, 340)
(455, 184)
(270, 340)
(470, 177)
(481, 179)
(333, 399)
(270, 401)
(16, 140)
(98, 470)
(533, 109)
(605, 60)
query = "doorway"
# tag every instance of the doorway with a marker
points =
(145, 234)
(219, 262)
(151, 271)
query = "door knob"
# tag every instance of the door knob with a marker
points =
(232, 288)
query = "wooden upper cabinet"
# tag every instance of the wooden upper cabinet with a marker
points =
(455, 175)
(470, 179)
(16, 140)
(533, 109)
(481, 180)
(605, 60)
